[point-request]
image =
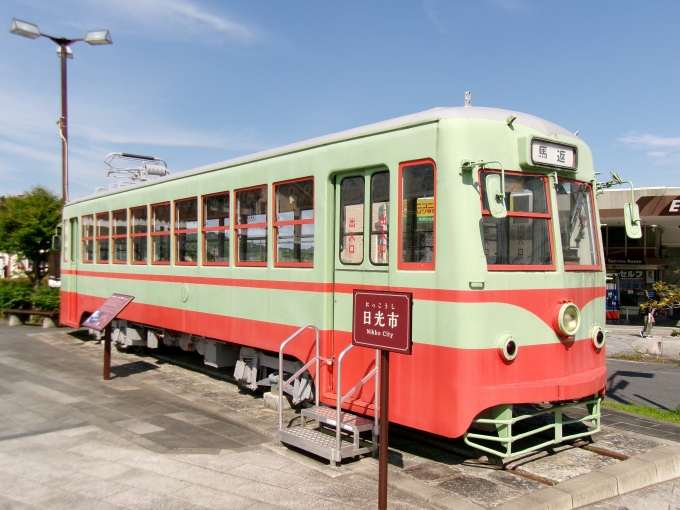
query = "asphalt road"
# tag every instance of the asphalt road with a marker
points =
(649, 384)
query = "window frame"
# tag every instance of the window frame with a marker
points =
(204, 229)
(101, 238)
(573, 267)
(132, 235)
(64, 241)
(370, 222)
(546, 216)
(115, 236)
(238, 227)
(176, 232)
(288, 223)
(74, 240)
(415, 266)
(341, 218)
(153, 234)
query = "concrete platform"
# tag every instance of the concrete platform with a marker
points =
(161, 436)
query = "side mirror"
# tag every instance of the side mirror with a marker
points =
(631, 217)
(495, 196)
(56, 243)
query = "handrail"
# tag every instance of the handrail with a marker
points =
(283, 384)
(340, 399)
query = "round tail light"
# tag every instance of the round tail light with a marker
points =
(598, 336)
(507, 347)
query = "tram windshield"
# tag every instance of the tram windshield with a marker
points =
(577, 224)
(523, 236)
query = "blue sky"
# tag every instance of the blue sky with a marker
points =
(199, 81)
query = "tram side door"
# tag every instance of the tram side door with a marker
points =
(362, 261)
(71, 262)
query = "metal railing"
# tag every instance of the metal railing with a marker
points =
(314, 360)
(341, 400)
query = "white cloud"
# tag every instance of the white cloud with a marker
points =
(177, 19)
(433, 11)
(446, 15)
(649, 141)
(660, 150)
(509, 5)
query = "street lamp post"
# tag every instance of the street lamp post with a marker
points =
(95, 37)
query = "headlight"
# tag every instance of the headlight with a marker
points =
(568, 319)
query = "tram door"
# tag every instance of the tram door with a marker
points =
(362, 259)
(70, 262)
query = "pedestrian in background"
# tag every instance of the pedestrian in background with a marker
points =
(649, 319)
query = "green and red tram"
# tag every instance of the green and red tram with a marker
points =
(486, 216)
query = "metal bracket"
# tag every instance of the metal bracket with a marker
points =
(467, 166)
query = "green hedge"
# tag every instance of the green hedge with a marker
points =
(19, 293)
(46, 298)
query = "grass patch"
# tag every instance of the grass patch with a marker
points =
(647, 358)
(648, 411)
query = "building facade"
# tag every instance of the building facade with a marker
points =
(635, 264)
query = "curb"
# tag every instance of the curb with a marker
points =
(638, 472)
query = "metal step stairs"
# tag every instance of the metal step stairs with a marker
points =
(327, 439)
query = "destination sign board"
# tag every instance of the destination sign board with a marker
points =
(545, 153)
(382, 320)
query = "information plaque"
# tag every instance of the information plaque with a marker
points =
(108, 311)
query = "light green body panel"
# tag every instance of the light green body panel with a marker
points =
(460, 256)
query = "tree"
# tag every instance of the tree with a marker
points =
(665, 295)
(27, 224)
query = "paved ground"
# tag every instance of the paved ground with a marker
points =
(70, 440)
(160, 436)
(624, 339)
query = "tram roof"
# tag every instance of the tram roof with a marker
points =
(425, 117)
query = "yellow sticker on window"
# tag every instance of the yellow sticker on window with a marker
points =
(425, 210)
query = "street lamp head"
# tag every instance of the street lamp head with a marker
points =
(69, 52)
(97, 37)
(25, 29)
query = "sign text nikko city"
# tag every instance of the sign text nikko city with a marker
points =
(382, 320)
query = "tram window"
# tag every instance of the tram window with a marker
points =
(186, 231)
(88, 238)
(380, 204)
(352, 195)
(417, 215)
(138, 234)
(103, 238)
(119, 236)
(216, 233)
(73, 238)
(251, 226)
(160, 234)
(295, 223)
(523, 237)
(580, 248)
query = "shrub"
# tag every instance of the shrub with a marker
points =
(15, 293)
(46, 298)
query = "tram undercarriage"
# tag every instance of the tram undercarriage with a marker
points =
(254, 369)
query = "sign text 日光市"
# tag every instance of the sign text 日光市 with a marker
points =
(382, 320)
